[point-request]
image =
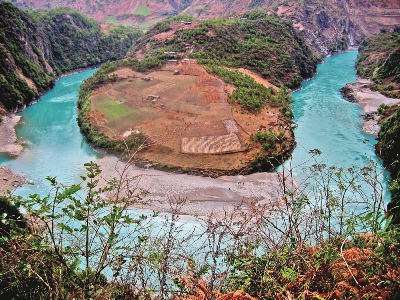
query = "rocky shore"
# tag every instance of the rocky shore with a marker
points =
(360, 92)
(8, 137)
(8, 145)
(9, 180)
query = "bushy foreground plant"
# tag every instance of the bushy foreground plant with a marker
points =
(76, 236)
(84, 242)
(330, 239)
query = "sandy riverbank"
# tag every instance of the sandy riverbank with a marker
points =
(359, 92)
(8, 145)
(9, 180)
(202, 195)
(8, 137)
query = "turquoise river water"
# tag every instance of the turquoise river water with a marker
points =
(55, 147)
(329, 123)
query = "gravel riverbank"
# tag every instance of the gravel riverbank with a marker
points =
(200, 196)
(9, 180)
(360, 92)
(8, 145)
(8, 137)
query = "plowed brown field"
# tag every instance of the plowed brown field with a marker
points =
(186, 115)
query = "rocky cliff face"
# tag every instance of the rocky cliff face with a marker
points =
(36, 47)
(330, 25)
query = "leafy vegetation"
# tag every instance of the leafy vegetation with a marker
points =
(388, 148)
(41, 263)
(379, 59)
(36, 46)
(249, 94)
(12, 221)
(266, 44)
(83, 242)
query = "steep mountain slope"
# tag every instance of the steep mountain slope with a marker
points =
(379, 60)
(100, 9)
(330, 25)
(36, 47)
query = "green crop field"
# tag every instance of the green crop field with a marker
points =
(113, 111)
(142, 10)
(134, 118)
(110, 19)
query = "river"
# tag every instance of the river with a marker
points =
(329, 123)
(55, 147)
(53, 144)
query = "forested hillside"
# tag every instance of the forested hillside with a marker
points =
(379, 60)
(330, 25)
(37, 46)
(266, 44)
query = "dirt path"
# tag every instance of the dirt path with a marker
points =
(257, 78)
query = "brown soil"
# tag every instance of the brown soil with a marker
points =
(191, 125)
(106, 28)
(29, 81)
(258, 78)
(174, 27)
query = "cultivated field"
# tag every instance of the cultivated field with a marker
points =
(186, 115)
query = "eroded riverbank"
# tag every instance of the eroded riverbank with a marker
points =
(9, 180)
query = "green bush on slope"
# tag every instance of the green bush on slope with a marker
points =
(266, 44)
(379, 59)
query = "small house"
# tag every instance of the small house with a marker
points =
(153, 97)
